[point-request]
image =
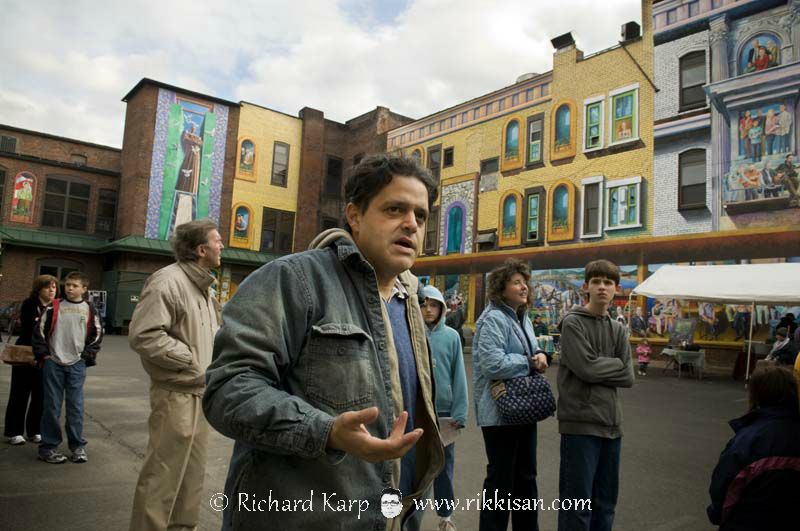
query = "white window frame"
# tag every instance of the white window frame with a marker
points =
(586, 103)
(636, 180)
(636, 113)
(584, 182)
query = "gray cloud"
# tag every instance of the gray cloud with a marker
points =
(68, 64)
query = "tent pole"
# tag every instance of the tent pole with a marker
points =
(749, 344)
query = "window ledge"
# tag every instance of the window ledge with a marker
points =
(534, 165)
(623, 227)
(591, 236)
(598, 148)
(699, 206)
(623, 142)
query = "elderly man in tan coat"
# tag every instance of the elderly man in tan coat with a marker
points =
(173, 330)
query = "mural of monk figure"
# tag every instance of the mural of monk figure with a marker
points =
(188, 176)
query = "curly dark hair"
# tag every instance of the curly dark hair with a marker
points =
(375, 172)
(501, 275)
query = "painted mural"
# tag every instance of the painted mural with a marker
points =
(247, 157)
(759, 53)
(555, 291)
(763, 169)
(709, 321)
(22, 201)
(241, 224)
(563, 139)
(187, 164)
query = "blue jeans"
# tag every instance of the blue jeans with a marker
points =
(443, 484)
(589, 470)
(62, 384)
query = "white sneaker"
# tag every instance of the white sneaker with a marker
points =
(37, 438)
(16, 439)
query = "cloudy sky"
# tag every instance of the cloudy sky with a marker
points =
(67, 64)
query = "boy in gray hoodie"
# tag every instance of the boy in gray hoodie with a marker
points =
(595, 360)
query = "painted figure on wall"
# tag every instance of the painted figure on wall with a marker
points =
(623, 117)
(247, 157)
(762, 52)
(563, 139)
(765, 180)
(188, 164)
(22, 201)
(241, 223)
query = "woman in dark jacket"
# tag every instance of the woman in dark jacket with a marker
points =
(756, 484)
(26, 381)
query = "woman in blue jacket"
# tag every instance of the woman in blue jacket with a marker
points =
(505, 347)
(450, 379)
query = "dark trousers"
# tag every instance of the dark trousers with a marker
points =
(26, 383)
(62, 385)
(589, 470)
(511, 471)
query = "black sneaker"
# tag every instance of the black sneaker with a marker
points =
(53, 457)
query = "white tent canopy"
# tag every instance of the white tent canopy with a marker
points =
(775, 284)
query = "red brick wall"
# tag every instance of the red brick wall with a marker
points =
(42, 170)
(140, 123)
(59, 149)
(226, 197)
(19, 268)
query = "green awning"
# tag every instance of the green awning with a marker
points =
(51, 240)
(135, 244)
(146, 245)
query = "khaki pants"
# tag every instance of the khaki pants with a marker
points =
(170, 486)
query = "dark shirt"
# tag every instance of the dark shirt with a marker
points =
(396, 307)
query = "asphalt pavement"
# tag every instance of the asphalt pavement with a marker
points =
(674, 431)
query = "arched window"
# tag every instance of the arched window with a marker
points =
(416, 155)
(563, 130)
(455, 229)
(511, 151)
(693, 77)
(561, 226)
(240, 226)
(510, 228)
(247, 156)
(22, 199)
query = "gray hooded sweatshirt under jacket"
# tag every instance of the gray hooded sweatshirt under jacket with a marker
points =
(595, 360)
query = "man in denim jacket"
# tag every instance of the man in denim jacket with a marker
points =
(322, 373)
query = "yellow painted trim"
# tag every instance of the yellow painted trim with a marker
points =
(503, 241)
(561, 235)
(471, 296)
(241, 243)
(516, 162)
(459, 179)
(571, 149)
(247, 175)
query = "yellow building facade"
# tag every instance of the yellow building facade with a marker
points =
(266, 176)
(554, 162)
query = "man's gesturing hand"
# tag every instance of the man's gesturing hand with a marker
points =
(349, 435)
